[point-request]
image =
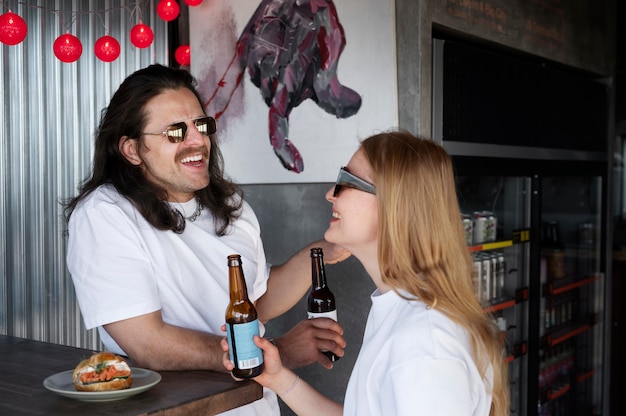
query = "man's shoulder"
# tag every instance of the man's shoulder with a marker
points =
(103, 197)
(106, 193)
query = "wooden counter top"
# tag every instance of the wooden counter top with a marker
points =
(26, 363)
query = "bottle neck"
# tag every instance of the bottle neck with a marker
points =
(236, 281)
(318, 274)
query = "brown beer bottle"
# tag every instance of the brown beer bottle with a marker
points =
(554, 251)
(321, 301)
(242, 324)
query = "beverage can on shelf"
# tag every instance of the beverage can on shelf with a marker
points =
(490, 271)
(468, 227)
(484, 227)
(486, 283)
(484, 270)
(478, 270)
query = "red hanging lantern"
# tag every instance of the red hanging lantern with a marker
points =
(168, 10)
(183, 55)
(67, 48)
(13, 28)
(193, 2)
(107, 48)
(141, 35)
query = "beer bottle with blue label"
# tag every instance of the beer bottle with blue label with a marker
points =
(321, 301)
(242, 324)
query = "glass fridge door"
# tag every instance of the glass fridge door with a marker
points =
(571, 333)
(496, 214)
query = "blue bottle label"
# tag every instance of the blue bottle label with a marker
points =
(241, 348)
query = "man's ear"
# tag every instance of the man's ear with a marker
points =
(128, 148)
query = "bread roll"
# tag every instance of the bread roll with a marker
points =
(103, 371)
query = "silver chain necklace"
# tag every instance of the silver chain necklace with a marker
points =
(197, 212)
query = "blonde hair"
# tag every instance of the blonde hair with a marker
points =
(422, 247)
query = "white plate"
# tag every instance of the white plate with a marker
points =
(61, 383)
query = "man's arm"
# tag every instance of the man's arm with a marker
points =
(151, 343)
(303, 344)
(291, 280)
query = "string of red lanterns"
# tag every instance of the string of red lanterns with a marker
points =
(68, 48)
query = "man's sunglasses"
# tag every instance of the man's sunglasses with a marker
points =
(348, 180)
(177, 131)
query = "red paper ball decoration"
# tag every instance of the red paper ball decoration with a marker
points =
(13, 28)
(67, 48)
(193, 2)
(141, 35)
(183, 55)
(107, 48)
(168, 10)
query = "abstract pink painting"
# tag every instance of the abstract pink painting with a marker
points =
(287, 53)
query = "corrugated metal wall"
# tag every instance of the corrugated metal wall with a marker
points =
(50, 111)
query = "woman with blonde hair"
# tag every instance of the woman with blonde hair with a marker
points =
(428, 347)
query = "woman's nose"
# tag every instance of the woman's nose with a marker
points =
(330, 193)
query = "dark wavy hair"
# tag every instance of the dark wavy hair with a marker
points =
(126, 116)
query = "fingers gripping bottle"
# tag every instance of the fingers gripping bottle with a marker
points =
(242, 324)
(321, 301)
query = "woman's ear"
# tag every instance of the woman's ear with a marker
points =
(128, 148)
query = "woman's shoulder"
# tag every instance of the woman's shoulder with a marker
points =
(419, 324)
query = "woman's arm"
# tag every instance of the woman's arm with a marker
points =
(303, 399)
(290, 281)
(287, 283)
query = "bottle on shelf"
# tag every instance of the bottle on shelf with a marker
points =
(321, 301)
(242, 324)
(553, 250)
(501, 274)
(500, 321)
(586, 246)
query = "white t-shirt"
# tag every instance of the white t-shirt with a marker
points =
(123, 267)
(414, 361)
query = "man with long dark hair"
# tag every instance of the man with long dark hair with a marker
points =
(151, 229)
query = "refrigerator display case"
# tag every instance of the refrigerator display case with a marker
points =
(546, 293)
(530, 150)
(501, 261)
(571, 331)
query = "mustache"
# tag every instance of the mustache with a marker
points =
(193, 151)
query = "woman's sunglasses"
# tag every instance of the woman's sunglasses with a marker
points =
(177, 131)
(348, 180)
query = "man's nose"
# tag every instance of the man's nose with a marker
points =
(193, 134)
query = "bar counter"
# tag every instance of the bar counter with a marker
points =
(27, 363)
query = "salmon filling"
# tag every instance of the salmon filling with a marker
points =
(104, 372)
